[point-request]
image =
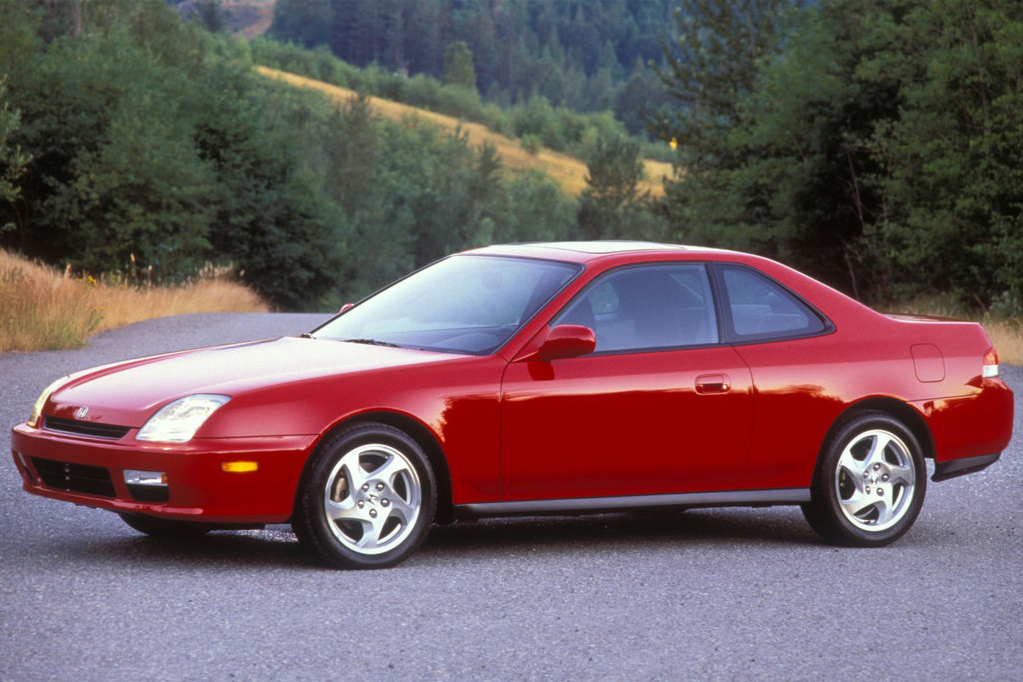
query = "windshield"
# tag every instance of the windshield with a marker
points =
(463, 304)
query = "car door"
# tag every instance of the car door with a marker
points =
(661, 405)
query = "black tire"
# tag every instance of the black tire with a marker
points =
(366, 499)
(869, 484)
(165, 529)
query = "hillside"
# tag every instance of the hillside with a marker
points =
(568, 171)
(249, 18)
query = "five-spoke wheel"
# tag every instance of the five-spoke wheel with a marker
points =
(869, 484)
(367, 498)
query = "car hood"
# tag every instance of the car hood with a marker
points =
(128, 393)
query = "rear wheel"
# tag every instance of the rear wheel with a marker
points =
(870, 483)
(367, 498)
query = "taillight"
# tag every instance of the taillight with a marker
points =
(990, 364)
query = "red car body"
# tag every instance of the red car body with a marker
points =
(526, 428)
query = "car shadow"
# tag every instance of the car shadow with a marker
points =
(277, 546)
(717, 527)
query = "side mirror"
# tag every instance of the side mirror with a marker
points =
(567, 341)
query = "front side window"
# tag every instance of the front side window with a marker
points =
(647, 307)
(758, 308)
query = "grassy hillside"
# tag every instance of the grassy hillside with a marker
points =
(249, 18)
(568, 171)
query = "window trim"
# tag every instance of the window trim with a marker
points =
(727, 324)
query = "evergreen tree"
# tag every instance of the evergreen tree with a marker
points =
(713, 64)
(458, 66)
(12, 160)
(209, 14)
(611, 206)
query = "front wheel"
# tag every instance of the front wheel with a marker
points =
(869, 484)
(367, 498)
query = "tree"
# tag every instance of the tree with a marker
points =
(709, 71)
(458, 67)
(12, 160)
(210, 15)
(642, 92)
(519, 47)
(710, 67)
(612, 206)
(272, 220)
(797, 185)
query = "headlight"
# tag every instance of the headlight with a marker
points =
(37, 409)
(178, 421)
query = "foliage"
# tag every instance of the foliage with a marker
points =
(92, 193)
(12, 161)
(949, 163)
(611, 206)
(458, 66)
(873, 143)
(558, 128)
(145, 143)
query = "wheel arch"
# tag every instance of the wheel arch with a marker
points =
(893, 407)
(426, 440)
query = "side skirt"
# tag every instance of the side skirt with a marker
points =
(593, 505)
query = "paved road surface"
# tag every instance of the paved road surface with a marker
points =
(706, 595)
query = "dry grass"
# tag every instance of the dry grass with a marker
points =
(568, 171)
(43, 309)
(1007, 337)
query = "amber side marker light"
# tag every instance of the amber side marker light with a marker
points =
(990, 370)
(239, 467)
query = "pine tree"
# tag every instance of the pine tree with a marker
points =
(458, 66)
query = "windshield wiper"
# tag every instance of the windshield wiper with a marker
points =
(372, 342)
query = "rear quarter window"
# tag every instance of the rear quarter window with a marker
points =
(758, 308)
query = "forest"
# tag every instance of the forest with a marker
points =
(586, 55)
(876, 144)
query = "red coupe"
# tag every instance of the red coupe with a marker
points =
(535, 379)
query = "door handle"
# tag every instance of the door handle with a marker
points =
(713, 383)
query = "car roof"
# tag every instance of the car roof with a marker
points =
(588, 251)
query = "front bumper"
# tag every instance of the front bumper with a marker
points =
(90, 472)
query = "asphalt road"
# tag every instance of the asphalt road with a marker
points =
(730, 595)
